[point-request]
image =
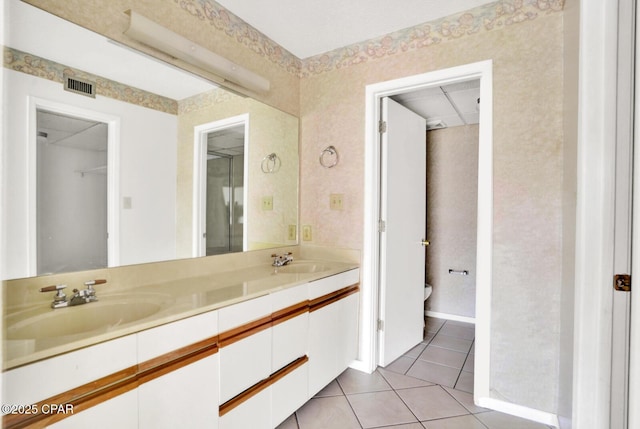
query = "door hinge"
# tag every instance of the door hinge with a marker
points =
(622, 282)
(380, 325)
(382, 226)
(382, 127)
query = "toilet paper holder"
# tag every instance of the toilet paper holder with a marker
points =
(459, 272)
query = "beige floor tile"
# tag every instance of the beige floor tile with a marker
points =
(467, 333)
(400, 381)
(462, 422)
(496, 420)
(465, 382)
(446, 357)
(331, 389)
(452, 343)
(468, 365)
(325, 413)
(380, 409)
(466, 399)
(400, 365)
(353, 381)
(415, 352)
(434, 373)
(428, 403)
(433, 325)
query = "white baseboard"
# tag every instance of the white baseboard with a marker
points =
(519, 411)
(451, 317)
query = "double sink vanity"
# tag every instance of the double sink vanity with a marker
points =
(235, 348)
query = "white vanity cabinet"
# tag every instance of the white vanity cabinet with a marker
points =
(178, 381)
(247, 365)
(263, 359)
(333, 327)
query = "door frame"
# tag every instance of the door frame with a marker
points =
(200, 172)
(370, 269)
(113, 176)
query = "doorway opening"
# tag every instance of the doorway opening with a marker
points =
(73, 201)
(220, 181)
(372, 264)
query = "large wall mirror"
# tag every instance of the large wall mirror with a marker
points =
(109, 152)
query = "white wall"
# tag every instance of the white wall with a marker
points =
(147, 172)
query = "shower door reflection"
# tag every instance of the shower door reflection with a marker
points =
(225, 191)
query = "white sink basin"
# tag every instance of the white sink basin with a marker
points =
(303, 268)
(100, 316)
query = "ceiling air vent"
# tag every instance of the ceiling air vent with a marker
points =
(80, 86)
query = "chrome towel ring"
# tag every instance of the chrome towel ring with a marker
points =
(270, 163)
(329, 157)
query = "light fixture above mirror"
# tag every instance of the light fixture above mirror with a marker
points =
(166, 41)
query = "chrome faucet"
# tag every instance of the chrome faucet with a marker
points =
(281, 260)
(79, 297)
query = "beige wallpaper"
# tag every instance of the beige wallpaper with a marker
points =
(528, 160)
(452, 196)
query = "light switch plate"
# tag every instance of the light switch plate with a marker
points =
(306, 233)
(267, 203)
(292, 232)
(335, 201)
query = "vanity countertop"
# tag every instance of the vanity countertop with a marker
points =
(32, 332)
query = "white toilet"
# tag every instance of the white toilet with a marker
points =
(427, 293)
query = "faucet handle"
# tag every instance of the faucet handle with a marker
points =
(53, 288)
(94, 282)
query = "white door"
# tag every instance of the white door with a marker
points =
(403, 216)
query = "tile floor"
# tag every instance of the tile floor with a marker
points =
(430, 387)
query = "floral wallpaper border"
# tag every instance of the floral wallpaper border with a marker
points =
(489, 17)
(41, 67)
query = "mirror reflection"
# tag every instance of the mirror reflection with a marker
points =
(153, 118)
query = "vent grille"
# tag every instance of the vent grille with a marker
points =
(80, 86)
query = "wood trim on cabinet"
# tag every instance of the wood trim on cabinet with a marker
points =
(243, 331)
(101, 390)
(260, 386)
(289, 312)
(330, 298)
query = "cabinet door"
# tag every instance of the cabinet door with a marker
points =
(325, 342)
(186, 397)
(118, 412)
(333, 341)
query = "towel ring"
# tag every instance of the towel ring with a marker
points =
(270, 163)
(329, 152)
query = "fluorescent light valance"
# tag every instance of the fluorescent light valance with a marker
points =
(158, 37)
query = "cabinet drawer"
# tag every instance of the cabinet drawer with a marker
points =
(172, 336)
(330, 284)
(288, 394)
(186, 397)
(25, 385)
(255, 413)
(244, 363)
(243, 313)
(289, 340)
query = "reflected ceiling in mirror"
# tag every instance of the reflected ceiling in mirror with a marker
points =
(154, 108)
